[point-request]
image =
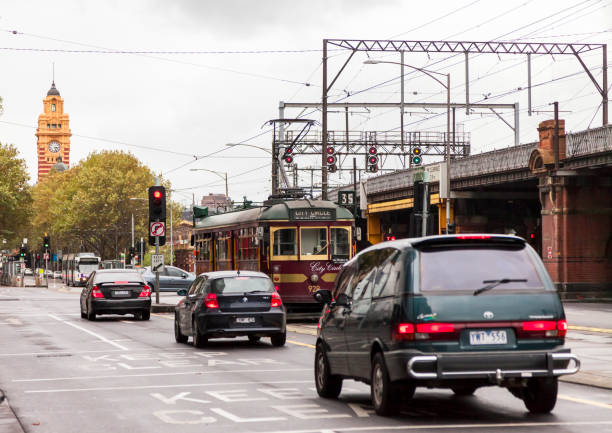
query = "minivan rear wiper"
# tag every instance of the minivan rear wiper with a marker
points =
(490, 284)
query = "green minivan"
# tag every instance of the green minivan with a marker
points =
(453, 311)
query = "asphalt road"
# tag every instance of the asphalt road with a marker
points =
(64, 374)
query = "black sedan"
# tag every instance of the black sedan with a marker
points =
(116, 291)
(230, 304)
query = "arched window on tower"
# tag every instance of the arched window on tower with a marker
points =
(52, 107)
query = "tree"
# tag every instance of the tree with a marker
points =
(15, 198)
(88, 207)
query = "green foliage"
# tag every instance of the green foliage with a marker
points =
(15, 196)
(89, 207)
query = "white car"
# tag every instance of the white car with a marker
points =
(57, 274)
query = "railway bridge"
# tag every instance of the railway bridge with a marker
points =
(562, 205)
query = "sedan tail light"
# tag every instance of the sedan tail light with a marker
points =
(96, 292)
(146, 292)
(210, 301)
(276, 300)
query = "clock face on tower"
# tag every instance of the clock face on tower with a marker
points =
(54, 146)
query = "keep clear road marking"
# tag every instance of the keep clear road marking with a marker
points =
(98, 336)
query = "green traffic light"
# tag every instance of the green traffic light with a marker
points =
(416, 160)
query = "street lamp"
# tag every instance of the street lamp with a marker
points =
(222, 175)
(448, 111)
(249, 145)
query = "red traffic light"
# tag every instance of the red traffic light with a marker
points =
(157, 194)
(372, 159)
(389, 237)
(372, 150)
(331, 150)
(288, 150)
(288, 159)
(331, 159)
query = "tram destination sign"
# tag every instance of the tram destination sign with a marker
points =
(309, 214)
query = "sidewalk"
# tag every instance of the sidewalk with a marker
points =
(8, 420)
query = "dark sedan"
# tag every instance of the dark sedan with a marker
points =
(171, 278)
(116, 291)
(230, 304)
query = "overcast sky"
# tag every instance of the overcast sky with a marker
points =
(166, 107)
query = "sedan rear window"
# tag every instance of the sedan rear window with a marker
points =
(109, 277)
(225, 286)
(471, 268)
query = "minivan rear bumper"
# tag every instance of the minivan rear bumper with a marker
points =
(494, 366)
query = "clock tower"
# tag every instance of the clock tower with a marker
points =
(53, 133)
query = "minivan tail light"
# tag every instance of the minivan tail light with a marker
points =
(545, 328)
(275, 301)
(146, 292)
(434, 328)
(96, 292)
(404, 331)
(210, 301)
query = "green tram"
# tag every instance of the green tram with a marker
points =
(300, 244)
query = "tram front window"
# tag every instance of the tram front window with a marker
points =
(313, 242)
(340, 245)
(285, 242)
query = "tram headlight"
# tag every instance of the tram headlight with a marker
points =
(314, 278)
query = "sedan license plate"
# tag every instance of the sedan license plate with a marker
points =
(479, 338)
(245, 320)
(121, 293)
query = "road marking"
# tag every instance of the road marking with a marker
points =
(298, 343)
(447, 426)
(4, 355)
(184, 385)
(165, 316)
(589, 329)
(584, 401)
(181, 373)
(98, 336)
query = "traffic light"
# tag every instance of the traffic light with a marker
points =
(22, 252)
(132, 253)
(416, 156)
(46, 243)
(287, 155)
(331, 159)
(372, 160)
(418, 193)
(157, 214)
(389, 237)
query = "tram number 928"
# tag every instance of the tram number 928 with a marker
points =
(312, 289)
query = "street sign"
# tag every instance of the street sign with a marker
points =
(346, 198)
(158, 228)
(157, 262)
(432, 173)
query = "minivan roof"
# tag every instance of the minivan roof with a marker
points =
(464, 238)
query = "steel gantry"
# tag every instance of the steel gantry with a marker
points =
(467, 47)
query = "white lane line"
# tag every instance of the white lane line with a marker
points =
(182, 373)
(5, 355)
(184, 385)
(448, 426)
(98, 336)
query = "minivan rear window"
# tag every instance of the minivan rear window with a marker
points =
(467, 269)
(224, 286)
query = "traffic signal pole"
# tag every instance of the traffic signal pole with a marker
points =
(156, 272)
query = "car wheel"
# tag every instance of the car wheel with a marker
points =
(254, 338)
(279, 340)
(464, 390)
(199, 339)
(540, 395)
(385, 399)
(178, 335)
(328, 385)
(145, 315)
